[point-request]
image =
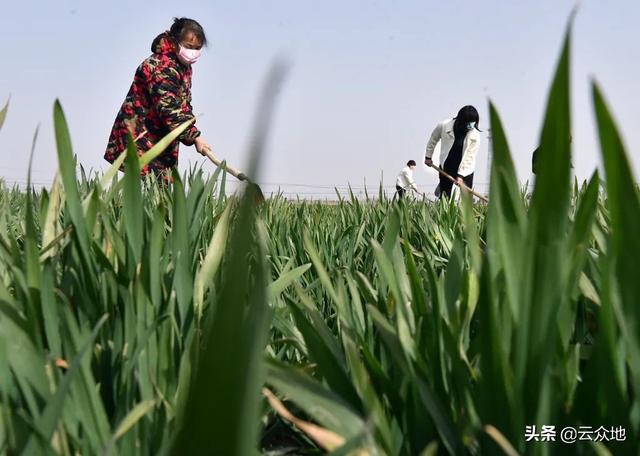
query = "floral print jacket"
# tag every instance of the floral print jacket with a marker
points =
(158, 101)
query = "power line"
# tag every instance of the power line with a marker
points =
(310, 191)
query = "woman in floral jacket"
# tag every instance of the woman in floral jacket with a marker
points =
(159, 99)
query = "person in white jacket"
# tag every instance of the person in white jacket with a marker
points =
(405, 181)
(459, 143)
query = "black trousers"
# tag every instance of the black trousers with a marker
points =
(446, 186)
(400, 191)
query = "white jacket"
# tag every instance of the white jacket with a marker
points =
(444, 133)
(405, 179)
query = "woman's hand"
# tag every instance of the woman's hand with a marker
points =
(428, 162)
(201, 145)
(460, 182)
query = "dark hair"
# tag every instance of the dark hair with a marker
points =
(467, 114)
(411, 163)
(182, 26)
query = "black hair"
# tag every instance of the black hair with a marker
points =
(182, 26)
(411, 163)
(467, 114)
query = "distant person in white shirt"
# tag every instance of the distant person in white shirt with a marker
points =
(459, 140)
(405, 181)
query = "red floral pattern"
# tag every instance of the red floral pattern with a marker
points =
(158, 101)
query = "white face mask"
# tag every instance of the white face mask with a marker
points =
(188, 56)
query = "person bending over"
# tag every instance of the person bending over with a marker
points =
(405, 181)
(459, 143)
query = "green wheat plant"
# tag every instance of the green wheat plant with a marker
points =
(140, 317)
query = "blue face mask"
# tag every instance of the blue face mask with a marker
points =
(469, 125)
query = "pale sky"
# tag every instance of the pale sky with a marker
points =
(369, 79)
